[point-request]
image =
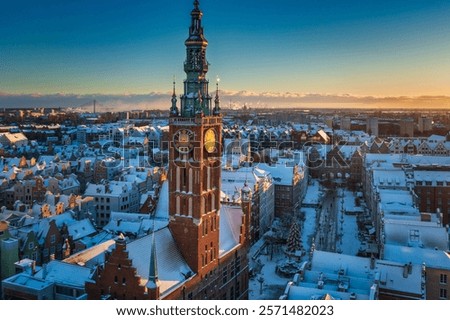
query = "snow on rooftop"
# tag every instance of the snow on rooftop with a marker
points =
(134, 223)
(81, 229)
(415, 234)
(172, 268)
(389, 160)
(65, 273)
(26, 280)
(162, 207)
(389, 178)
(230, 224)
(430, 257)
(310, 293)
(432, 176)
(114, 188)
(399, 203)
(92, 256)
(282, 175)
(359, 270)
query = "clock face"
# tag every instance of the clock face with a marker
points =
(183, 140)
(210, 140)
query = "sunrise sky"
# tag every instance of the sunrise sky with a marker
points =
(267, 53)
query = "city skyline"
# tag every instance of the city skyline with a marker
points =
(296, 53)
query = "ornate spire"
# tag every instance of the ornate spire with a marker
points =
(174, 109)
(196, 30)
(217, 100)
(195, 101)
(153, 280)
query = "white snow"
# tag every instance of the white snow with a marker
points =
(172, 267)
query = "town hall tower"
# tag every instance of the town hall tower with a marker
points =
(194, 159)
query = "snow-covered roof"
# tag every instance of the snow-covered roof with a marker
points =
(134, 223)
(113, 188)
(391, 159)
(397, 202)
(415, 234)
(389, 178)
(432, 176)
(172, 268)
(281, 174)
(310, 293)
(81, 229)
(358, 269)
(433, 258)
(28, 281)
(65, 273)
(230, 224)
(92, 256)
(162, 207)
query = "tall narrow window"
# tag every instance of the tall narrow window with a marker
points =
(178, 178)
(178, 205)
(208, 178)
(191, 181)
(190, 207)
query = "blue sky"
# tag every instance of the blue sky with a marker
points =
(260, 49)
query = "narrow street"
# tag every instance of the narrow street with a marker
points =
(327, 222)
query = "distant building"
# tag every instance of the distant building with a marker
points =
(346, 123)
(372, 126)
(110, 196)
(290, 187)
(433, 190)
(425, 124)
(407, 128)
(13, 139)
(9, 251)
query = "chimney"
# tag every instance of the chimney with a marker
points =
(372, 262)
(44, 271)
(33, 268)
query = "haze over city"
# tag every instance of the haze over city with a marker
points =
(380, 54)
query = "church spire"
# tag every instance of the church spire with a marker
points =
(217, 100)
(174, 109)
(153, 279)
